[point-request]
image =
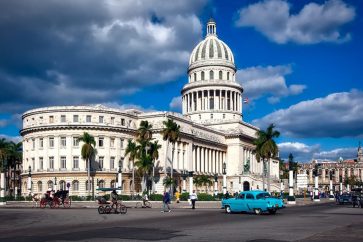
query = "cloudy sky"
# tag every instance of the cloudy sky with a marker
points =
(299, 62)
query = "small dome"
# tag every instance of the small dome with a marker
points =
(211, 48)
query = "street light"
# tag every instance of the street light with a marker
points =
(55, 184)
(224, 178)
(184, 175)
(215, 184)
(291, 197)
(30, 179)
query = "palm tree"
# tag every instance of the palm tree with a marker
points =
(203, 180)
(168, 182)
(171, 133)
(132, 151)
(154, 153)
(144, 165)
(3, 153)
(266, 149)
(15, 157)
(87, 152)
(144, 131)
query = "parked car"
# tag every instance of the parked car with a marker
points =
(345, 198)
(357, 197)
(255, 201)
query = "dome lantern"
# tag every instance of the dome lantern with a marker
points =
(211, 27)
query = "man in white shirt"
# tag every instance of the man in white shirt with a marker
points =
(193, 197)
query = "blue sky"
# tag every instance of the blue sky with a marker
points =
(299, 62)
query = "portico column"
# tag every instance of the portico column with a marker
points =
(316, 189)
(225, 99)
(190, 182)
(197, 168)
(208, 98)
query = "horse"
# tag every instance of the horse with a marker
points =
(35, 199)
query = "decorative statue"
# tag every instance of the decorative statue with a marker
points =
(247, 165)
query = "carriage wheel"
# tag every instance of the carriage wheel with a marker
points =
(148, 204)
(101, 210)
(123, 209)
(108, 209)
(42, 203)
(67, 203)
(54, 204)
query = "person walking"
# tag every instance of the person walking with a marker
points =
(193, 197)
(166, 201)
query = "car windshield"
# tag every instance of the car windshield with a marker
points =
(262, 195)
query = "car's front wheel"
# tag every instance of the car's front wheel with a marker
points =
(258, 211)
(228, 209)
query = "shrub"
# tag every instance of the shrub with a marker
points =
(290, 198)
(205, 197)
(184, 196)
(124, 197)
(156, 197)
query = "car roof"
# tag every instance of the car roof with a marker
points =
(254, 191)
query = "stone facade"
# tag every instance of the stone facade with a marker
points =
(212, 133)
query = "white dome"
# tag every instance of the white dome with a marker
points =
(211, 48)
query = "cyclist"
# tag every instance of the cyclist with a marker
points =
(114, 197)
(145, 198)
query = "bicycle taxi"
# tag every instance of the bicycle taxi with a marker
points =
(106, 207)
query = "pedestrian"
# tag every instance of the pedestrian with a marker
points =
(166, 201)
(193, 197)
(227, 195)
(177, 196)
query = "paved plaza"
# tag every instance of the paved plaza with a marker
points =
(316, 222)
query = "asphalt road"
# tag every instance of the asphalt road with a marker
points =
(322, 222)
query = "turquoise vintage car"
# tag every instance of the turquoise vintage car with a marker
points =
(255, 201)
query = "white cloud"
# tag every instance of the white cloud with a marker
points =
(336, 115)
(3, 123)
(128, 106)
(313, 24)
(306, 153)
(176, 104)
(270, 80)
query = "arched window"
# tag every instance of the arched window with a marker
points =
(40, 186)
(211, 75)
(227, 75)
(101, 184)
(195, 77)
(220, 75)
(113, 184)
(62, 185)
(90, 187)
(202, 75)
(75, 185)
(50, 184)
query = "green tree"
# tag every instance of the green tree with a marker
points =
(144, 165)
(266, 149)
(88, 151)
(4, 144)
(132, 151)
(203, 180)
(352, 181)
(15, 154)
(168, 182)
(171, 134)
(144, 131)
(154, 153)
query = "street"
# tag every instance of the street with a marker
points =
(320, 222)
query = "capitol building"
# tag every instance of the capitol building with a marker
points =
(213, 135)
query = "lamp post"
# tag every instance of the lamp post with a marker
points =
(340, 185)
(55, 184)
(119, 175)
(224, 178)
(316, 188)
(291, 198)
(331, 196)
(30, 179)
(215, 184)
(184, 175)
(190, 182)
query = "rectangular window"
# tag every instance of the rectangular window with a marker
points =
(63, 162)
(40, 163)
(63, 142)
(122, 143)
(112, 142)
(75, 118)
(75, 141)
(123, 122)
(41, 143)
(33, 144)
(75, 162)
(51, 119)
(63, 118)
(51, 142)
(51, 162)
(112, 163)
(112, 120)
(88, 118)
(100, 142)
(33, 163)
(100, 119)
(100, 160)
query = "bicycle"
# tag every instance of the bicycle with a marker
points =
(114, 208)
(141, 205)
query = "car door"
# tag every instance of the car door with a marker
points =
(249, 202)
(240, 203)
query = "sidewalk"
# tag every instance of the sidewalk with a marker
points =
(156, 204)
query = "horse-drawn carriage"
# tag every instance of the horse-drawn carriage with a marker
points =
(54, 200)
